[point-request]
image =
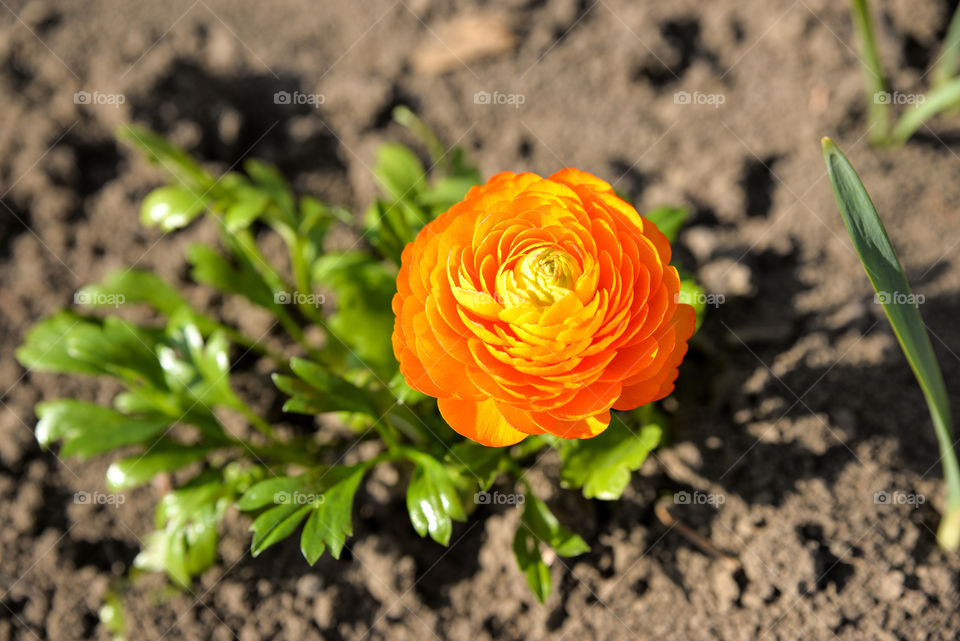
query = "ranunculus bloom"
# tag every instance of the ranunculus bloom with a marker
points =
(537, 305)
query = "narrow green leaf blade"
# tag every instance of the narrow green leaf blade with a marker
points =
(876, 83)
(341, 394)
(944, 97)
(883, 267)
(119, 348)
(946, 67)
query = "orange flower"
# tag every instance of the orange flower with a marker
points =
(537, 305)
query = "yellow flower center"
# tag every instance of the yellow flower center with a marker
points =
(540, 277)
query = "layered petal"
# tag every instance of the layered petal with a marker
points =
(537, 305)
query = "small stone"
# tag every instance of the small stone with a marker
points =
(700, 241)
(309, 586)
(727, 277)
(229, 125)
(891, 586)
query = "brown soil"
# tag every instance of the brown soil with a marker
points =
(795, 404)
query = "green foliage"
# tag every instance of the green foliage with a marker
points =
(883, 267)
(331, 522)
(479, 462)
(87, 429)
(45, 347)
(165, 456)
(185, 541)
(134, 286)
(602, 465)
(363, 321)
(691, 293)
(184, 369)
(170, 208)
(242, 279)
(433, 500)
(944, 96)
(317, 390)
(539, 527)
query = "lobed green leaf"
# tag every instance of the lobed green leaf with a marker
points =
(88, 429)
(602, 465)
(276, 524)
(331, 521)
(433, 501)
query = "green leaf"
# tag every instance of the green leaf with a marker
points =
(171, 208)
(88, 429)
(196, 369)
(276, 524)
(433, 501)
(182, 504)
(387, 229)
(45, 348)
(399, 172)
(526, 549)
(185, 543)
(113, 616)
(447, 192)
(878, 111)
(602, 465)
(946, 66)
(133, 286)
(941, 99)
(331, 521)
(173, 159)
(883, 267)
(478, 461)
(691, 293)
(403, 116)
(275, 491)
(545, 526)
(318, 390)
(242, 213)
(138, 469)
(211, 268)
(363, 321)
(265, 175)
(271, 181)
(118, 348)
(669, 220)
